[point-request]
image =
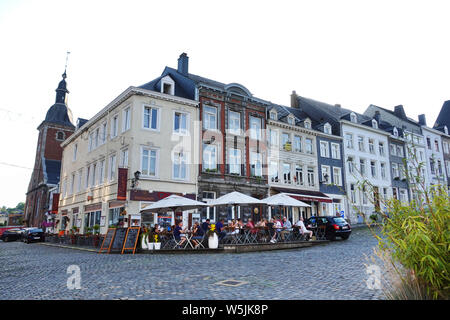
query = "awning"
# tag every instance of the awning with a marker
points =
(305, 195)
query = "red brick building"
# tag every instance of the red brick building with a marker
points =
(56, 127)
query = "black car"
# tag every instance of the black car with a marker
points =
(329, 227)
(33, 235)
(11, 235)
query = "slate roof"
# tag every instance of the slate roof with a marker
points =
(52, 171)
(444, 116)
(59, 113)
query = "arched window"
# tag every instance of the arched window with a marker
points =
(327, 128)
(307, 123)
(353, 117)
(395, 132)
(374, 124)
(445, 129)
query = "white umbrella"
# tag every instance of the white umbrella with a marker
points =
(173, 203)
(234, 199)
(282, 199)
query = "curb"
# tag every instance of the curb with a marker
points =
(67, 247)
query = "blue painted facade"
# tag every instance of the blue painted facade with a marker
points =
(332, 163)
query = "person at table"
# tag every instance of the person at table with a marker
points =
(235, 227)
(251, 226)
(198, 234)
(277, 228)
(156, 228)
(206, 225)
(303, 229)
(287, 227)
(179, 234)
(219, 228)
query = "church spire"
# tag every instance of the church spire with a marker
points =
(61, 91)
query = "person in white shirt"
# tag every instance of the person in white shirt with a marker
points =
(303, 229)
(277, 226)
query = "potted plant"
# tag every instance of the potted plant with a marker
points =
(144, 242)
(96, 239)
(156, 241)
(213, 239)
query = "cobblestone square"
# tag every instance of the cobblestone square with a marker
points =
(334, 270)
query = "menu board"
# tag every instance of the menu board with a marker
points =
(119, 239)
(131, 239)
(108, 240)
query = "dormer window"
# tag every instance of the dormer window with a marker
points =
(273, 115)
(374, 124)
(445, 129)
(291, 120)
(327, 128)
(395, 132)
(353, 117)
(307, 124)
(167, 85)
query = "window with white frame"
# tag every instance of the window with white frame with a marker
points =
(353, 117)
(286, 172)
(395, 131)
(383, 170)
(324, 151)
(126, 119)
(326, 177)
(393, 149)
(80, 179)
(209, 157)
(234, 122)
(93, 174)
(273, 137)
(273, 171)
(374, 124)
(209, 118)
(297, 144)
(364, 195)
(180, 123)
(447, 165)
(402, 172)
(104, 132)
(180, 167)
(445, 145)
(72, 183)
(285, 140)
(298, 174)
(256, 164)
(88, 177)
(436, 145)
(350, 164)
(115, 126)
(112, 167)
(362, 167)
(361, 143)
(124, 158)
(337, 176)
(291, 120)
(403, 195)
(255, 128)
(234, 160)
(395, 173)
(335, 151)
(307, 124)
(101, 171)
(167, 86)
(373, 169)
(97, 137)
(273, 115)
(151, 118)
(399, 151)
(327, 128)
(372, 146)
(308, 145)
(311, 181)
(149, 162)
(349, 140)
(352, 193)
(91, 141)
(381, 148)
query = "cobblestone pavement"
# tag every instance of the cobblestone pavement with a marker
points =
(334, 270)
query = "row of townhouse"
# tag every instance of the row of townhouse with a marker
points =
(189, 135)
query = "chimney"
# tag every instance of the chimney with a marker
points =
(377, 116)
(294, 100)
(400, 112)
(183, 64)
(422, 120)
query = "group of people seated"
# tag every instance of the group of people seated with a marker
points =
(278, 226)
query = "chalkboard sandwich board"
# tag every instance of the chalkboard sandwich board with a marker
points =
(131, 239)
(119, 240)
(108, 240)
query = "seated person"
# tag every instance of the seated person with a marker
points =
(156, 228)
(219, 228)
(179, 234)
(287, 227)
(198, 234)
(303, 229)
(251, 226)
(277, 228)
(206, 225)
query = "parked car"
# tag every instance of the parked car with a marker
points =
(11, 235)
(3, 229)
(334, 226)
(33, 235)
(24, 231)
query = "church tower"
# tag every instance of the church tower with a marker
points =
(56, 127)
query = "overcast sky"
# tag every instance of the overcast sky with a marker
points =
(354, 53)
